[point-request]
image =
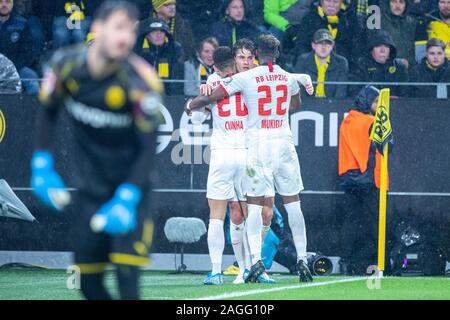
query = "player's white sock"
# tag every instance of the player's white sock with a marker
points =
(254, 229)
(248, 258)
(298, 229)
(237, 240)
(265, 230)
(216, 244)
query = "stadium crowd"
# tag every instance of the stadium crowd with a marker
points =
(332, 40)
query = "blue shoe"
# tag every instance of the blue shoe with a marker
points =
(264, 278)
(246, 272)
(213, 279)
(241, 277)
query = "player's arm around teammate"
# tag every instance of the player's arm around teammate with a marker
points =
(224, 173)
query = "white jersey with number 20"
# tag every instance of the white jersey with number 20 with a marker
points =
(229, 119)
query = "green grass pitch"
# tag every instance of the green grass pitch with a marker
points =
(52, 285)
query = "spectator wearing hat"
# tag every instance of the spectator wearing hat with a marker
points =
(199, 67)
(179, 28)
(16, 45)
(322, 64)
(325, 14)
(381, 64)
(71, 22)
(158, 47)
(233, 25)
(433, 68)
(402, 27)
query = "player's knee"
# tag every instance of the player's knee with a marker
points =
(236, 218)
(267, 214)
(236, 215)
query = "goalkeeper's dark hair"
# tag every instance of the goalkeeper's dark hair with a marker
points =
(242, 44)
(268, 45)
(109, 7)
(223, 58)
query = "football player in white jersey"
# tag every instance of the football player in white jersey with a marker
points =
(272, 160)
(244, 57)
(228, 159)
(244, 51)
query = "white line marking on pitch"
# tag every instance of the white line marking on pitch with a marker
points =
(259, 291)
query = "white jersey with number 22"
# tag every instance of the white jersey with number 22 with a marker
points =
(267, 91)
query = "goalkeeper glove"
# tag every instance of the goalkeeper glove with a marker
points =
(47, 185)
(118, 216)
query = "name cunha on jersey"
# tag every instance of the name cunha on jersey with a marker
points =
(234, 125)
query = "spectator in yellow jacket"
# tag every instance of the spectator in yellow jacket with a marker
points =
(439, 26)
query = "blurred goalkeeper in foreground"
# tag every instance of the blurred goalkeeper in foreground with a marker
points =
(112, 98)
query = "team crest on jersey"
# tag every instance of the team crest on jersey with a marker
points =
(228, 80)
(115, 97)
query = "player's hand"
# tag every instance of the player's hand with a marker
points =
(198, 116)
(186, 107)
(305, 81)
(46, 184)
(119, 215)
(206, 90)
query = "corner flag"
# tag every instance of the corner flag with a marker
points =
(381, 130)
(382, 134)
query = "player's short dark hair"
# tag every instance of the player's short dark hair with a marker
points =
(223, 58)
(434, 42)
(268, 44)
(109, 7)
(242, 44)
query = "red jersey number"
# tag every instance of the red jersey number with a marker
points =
(268, 99)
(241, 108)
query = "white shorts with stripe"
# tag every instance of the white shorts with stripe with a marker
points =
(272, 165)
(226, 173)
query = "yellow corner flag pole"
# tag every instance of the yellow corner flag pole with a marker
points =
(381, 134)
(382, 212)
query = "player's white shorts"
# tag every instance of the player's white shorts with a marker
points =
(273, 165)
(226, 172)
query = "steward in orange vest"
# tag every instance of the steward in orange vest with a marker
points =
(359, 161)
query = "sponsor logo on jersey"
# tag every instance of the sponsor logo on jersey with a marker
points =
(97, 118)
